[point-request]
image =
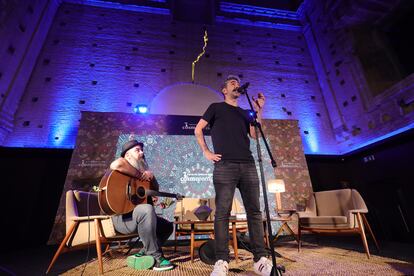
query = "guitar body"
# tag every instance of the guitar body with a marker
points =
(120, 193)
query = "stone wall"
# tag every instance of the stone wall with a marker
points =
(103, 59)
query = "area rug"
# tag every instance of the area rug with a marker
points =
(315, 258)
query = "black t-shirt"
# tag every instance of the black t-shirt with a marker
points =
(229, 126)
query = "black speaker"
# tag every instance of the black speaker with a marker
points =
(207, 252)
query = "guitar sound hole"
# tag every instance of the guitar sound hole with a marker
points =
(141, 192)
(134, 199)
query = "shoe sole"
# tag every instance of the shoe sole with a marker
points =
(162, 268)
(140, 263)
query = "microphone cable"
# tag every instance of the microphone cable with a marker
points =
(89, 230)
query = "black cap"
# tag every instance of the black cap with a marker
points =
(129, 145)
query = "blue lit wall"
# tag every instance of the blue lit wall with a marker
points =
(110, 60)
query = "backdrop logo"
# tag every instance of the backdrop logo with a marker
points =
(196, 177)
(286, 164)
(93, 163)
(192, 126)
(188, 125)
(197, 181)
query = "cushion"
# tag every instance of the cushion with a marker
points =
(325, 222)
(197, 227)
(333, 203)
(208, 226)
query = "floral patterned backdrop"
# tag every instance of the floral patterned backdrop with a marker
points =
(175, 158)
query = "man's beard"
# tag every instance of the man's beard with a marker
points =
(140, 164)
(235, 95)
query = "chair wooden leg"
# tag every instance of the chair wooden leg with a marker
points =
(362, 233)
(62, 245)
(266, 234)
(175, 241)
(288, 229)
(299, 239)
(285, 227)
(98, 246)
(109, 251)
(192, 245)
(234, 233)
(131, 246)
(267, 241)
(281, 228)
(364, 218)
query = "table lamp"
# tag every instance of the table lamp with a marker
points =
(276, 186)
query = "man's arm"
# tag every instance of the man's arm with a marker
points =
(154, 184)
(124, 167)
(202, 142)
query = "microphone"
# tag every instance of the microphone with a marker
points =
(242, 89)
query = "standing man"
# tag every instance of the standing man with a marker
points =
(153, 231)
(234, 167)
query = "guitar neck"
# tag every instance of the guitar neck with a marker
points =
(163, 194)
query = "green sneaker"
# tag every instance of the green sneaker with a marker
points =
(139, 254)
(163, 264)
(140, 261)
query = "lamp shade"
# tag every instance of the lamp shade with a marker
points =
(276, 186)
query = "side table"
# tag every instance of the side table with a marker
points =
(284, 216)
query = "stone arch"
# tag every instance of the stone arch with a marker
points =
(184, 99)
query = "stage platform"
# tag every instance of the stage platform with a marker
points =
(319, 256)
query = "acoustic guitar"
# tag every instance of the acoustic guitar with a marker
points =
(119, 193)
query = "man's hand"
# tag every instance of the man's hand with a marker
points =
(147, 175)
(258, 103)
(212, 156)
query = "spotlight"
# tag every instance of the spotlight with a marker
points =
(141, 108)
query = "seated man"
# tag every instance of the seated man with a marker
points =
(153, 231)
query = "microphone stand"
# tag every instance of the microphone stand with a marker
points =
(277, 269)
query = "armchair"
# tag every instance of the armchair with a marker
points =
(336, 211)
(83, 226)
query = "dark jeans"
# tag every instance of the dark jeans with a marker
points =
(226, 177)
(152, 230)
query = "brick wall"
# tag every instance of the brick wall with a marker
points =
(100, 59)
(23, 29)
(359, 114)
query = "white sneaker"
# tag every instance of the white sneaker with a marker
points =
(221, 268)
(263, 266)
